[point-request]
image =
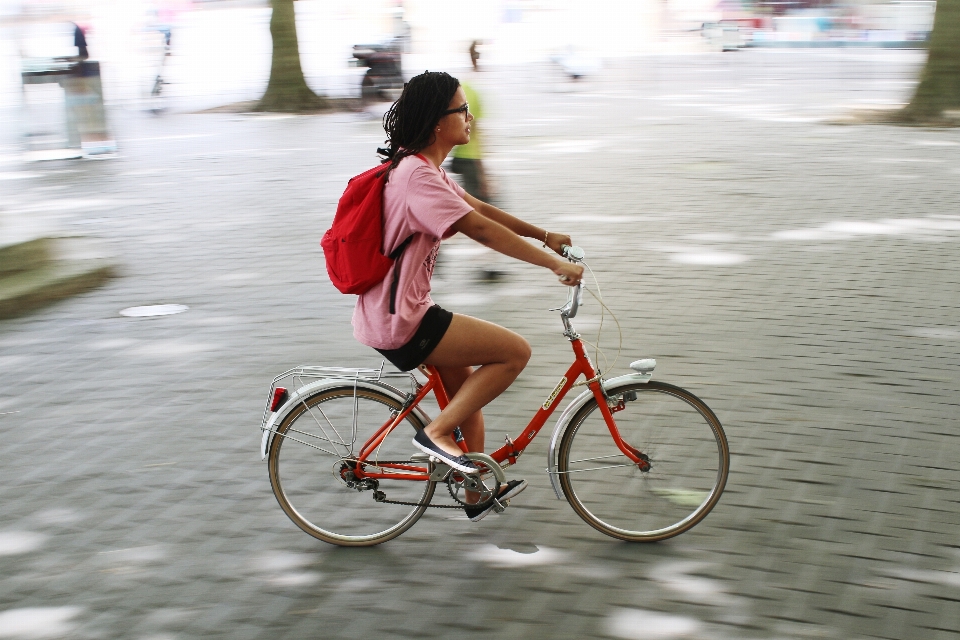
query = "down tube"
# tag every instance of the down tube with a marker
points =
(544, 412)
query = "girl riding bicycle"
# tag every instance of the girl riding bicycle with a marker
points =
(399, 319)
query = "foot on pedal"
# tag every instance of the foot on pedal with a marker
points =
(507, 491)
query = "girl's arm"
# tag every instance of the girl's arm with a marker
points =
(499, 237)
(518, 226)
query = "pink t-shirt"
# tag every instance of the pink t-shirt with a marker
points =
(422, 200)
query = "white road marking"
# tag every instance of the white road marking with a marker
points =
(571, 146)
(939, 333)
(844, 229)
(19, 175)
(498, 557)
(38, 622)
(17, 542)
(153, 310)
(709, 258)
(640, 624)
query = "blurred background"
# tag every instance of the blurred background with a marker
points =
(221, 50)
(755, 216)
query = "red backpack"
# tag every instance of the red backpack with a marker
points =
(352, 247)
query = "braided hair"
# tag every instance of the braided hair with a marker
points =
(410, 121)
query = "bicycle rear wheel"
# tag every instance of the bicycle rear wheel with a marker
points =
(689, 462)
(310, 464)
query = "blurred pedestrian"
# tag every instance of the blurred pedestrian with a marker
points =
(468, 158)
(80, 42)
(421, 206)
(475, 55)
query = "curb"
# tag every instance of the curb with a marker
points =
(63, 268)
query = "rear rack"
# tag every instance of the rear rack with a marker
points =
(299, 377)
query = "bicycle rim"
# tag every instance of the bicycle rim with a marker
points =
(689, 459)
(306, 461)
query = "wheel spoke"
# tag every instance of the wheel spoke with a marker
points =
(312, 446)
(316, 437)
(329, 422)
(689, 463)
(612, 466)
(612, 455)
(329, 501)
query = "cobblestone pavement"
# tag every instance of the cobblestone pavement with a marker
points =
(798, 276)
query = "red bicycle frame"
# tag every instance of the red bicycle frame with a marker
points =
(509, 452)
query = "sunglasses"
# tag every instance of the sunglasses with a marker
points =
(464, 109)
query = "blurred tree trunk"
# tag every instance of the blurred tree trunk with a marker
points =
(939, 88)
(287, 89)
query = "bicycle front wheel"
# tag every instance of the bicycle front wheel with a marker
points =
(689, 462)
(311, 463)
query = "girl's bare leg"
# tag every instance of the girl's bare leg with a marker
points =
(472, 428)
(500, 354)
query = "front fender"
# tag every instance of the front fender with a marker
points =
(308, 390)
(563, 422)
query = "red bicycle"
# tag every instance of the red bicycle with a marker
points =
(637, 460)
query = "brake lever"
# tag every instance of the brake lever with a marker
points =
(572, 253)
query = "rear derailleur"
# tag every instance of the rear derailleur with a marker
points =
(346, 474)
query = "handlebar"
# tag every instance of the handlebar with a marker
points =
(572, 253)
(575, 296)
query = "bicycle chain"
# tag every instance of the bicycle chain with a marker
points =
(435, 506)
(420, 504)
(409, 504)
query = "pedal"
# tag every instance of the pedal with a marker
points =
(500, 507)
(420, 457)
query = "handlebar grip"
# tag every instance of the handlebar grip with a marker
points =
(572, 253)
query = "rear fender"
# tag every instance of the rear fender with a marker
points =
(304, 392)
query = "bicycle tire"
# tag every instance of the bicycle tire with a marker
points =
(307, 481)
(689, 457)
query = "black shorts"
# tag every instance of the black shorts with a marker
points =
(424, 341)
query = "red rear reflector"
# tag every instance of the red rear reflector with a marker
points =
(279, 397)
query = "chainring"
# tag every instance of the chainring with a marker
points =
(486, 484)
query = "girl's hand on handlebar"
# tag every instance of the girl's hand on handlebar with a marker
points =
(570, 273)
(556, 240)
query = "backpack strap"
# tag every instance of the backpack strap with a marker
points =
(395, 255)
